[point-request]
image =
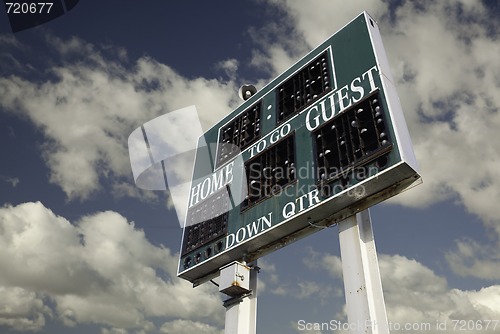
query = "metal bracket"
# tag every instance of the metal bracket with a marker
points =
(236, 300)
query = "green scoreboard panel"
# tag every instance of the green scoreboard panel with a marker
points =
(324, 140)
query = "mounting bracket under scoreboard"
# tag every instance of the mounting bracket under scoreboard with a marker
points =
(325, 139)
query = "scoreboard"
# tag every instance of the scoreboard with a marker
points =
(322, 141)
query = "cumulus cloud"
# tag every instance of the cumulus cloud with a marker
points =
(470, 258)
(451, 102)
(188, 327)
(417, 296)
(314, 24)
(316, 290)
(101, 270)
(92, 98)
(229, 67)
(114, 331)
(271, 282)
(22, 310)
(449, 82)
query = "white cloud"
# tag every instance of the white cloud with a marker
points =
(229, 67)
(114, 331)
(471, 258)
(101, 270)
(458, 150)
(7, 61)
(453, 85)
(312, 289)
(13, 181)
(93, 101)
(22, 310)
(415, 295)
(188, 327)
(268, 278)
(331, 263)
(315, 23)
(300, 289)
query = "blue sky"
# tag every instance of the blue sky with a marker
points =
(83, 250)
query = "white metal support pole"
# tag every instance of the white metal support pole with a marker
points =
(363, 287)
(241, 312)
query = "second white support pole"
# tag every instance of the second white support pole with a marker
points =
(241, 317)
(363, 287)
